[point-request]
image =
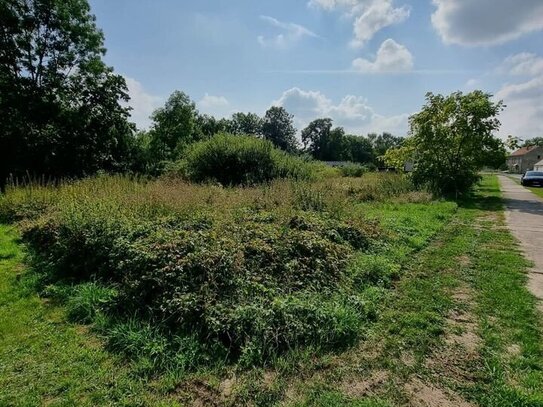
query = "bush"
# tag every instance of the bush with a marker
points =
(255, 286)
(353, 170)
(240, 160)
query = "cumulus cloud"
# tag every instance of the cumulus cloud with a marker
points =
(352, 112)
(391, 57)
(375, 17)
(486, 22)
(142, 103)
(290, 33)
(524, 100)
(370, 16)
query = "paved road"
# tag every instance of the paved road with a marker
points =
(524, 216)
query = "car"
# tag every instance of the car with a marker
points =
(532, 179)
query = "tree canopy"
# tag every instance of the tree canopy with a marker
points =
(278, 127)
(326, 143)
(450, 140)
(59, 102)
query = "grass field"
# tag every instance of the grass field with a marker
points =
(452, 323)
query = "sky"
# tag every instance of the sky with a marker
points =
(367, 64)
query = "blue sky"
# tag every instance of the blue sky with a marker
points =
(365, 63)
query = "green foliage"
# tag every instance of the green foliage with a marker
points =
(246, 124)
(62, 101)
(328, 144)
(381, 143)
(452, 139)
(175, 275)
(235, 160)
(353, 170)
(277, 127)
(174, 127)
(86, 300)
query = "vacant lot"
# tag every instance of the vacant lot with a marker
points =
(345, 291)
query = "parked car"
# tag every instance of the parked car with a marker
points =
(532, 179)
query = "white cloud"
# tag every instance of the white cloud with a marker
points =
(524, 63)
(378, 15)
(486, 22)
(217, 106)
(210, 101)
(142, 103)
(524, 100)
(291, 33)
(391, 57)
(472, 84)
(352, 112)
(332, 4)
(370, 16)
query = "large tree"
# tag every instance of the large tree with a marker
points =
(451, 139)
(59, 103)
(246, 123)
(324, 142)
(175, 125)
(277, 127)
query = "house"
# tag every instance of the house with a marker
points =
(538, 166)
(524, 159)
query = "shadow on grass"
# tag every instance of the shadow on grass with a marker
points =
(483, 203)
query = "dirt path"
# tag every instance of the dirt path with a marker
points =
(524, 216)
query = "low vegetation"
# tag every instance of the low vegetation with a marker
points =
(407, 290)
(179, 275)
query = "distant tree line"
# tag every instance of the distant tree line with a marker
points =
(179, 124)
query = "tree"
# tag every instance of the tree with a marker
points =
(381, 143)
(174, 127)
(277, 127)
(324, 142)
(59, 102)
(207, 126)
(512, 142)
(246, 123)
(451, 139)
(536, 141)
(360, 149)
(316, 137)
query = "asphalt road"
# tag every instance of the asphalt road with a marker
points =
(524, 217)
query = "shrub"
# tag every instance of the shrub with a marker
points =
(240, 160)
(353, 170)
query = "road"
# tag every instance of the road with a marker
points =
(524, 217)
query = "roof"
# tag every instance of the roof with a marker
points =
(539, 164)
(522, 151)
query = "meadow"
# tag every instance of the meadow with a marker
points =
(179, 275)
(169, 292)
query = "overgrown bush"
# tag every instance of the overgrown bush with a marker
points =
(240, 160)
(175, 274)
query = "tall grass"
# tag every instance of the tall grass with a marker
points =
(226, 273)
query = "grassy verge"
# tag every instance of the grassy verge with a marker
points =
(44, 359)
(461, 328)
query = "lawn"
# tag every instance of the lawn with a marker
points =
(427, 298)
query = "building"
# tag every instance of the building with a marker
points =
(538, 166)
(524, 159)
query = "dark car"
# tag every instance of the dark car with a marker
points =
(532, 179)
